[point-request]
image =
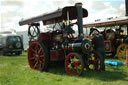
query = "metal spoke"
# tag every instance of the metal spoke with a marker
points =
(33, 31)
(33, 54)
(42, 55)
(33, 50)
(35, 64)
(39, 50)
(36, 47)
(32, 58)
(41, 61)
(40, 64)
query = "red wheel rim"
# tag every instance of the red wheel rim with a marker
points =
(94, 62)
(73, 65)
(36, 56)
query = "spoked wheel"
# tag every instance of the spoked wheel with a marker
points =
(38, 56)
(94, 62)
(121, 51)
(74, 64)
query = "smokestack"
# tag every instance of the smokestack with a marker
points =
(126, 7)
(80, 19)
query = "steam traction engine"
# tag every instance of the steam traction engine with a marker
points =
(60, 44)
(115, 36)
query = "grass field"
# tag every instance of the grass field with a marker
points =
(14, 70)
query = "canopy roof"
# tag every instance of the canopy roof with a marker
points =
(108, 23)
(56, 16)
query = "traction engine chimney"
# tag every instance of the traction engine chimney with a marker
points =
(126, 7)
(80, 19)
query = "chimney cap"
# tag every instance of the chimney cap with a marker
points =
(78, 4)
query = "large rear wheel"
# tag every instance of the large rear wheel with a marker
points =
(74, 64)
(38, 56)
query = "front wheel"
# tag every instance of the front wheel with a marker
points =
(94, 61)
(74, 64)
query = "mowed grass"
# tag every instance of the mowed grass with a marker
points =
(14, 70)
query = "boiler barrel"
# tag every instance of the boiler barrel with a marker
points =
(84, 46)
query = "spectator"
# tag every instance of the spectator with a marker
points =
(98, 42)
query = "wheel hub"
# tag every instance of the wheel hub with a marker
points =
(36, 55)
(72, 65)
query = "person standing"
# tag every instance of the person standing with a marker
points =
(98, 42)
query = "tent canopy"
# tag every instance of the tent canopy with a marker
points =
(108, 23)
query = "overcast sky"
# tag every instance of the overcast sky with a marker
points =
(12, 11)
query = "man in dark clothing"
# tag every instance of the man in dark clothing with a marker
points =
(98, 42)
(69, 30)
